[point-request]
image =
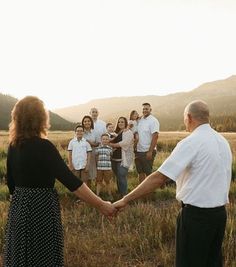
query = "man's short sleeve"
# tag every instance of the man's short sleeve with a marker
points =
(180, 158)
(155, 126)
(70, 146)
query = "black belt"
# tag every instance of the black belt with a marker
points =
(195, 207)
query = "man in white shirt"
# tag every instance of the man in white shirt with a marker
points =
(201, 167)
(99, 125)
(148, 130)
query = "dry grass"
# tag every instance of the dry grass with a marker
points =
(142, 236)
(133, 239)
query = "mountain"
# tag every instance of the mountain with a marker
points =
(6, 105)
(220, 96)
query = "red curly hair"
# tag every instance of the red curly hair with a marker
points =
(29, 118)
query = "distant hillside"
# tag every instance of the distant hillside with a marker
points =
(6, 105)
(220, 95)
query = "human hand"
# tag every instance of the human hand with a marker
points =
(131, 125)
(149, 155)
(107, 209)
(120, 204)
(110, 144)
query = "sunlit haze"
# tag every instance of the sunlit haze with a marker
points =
(70, 52)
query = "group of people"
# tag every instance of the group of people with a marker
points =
(200, 165)
(100, 150)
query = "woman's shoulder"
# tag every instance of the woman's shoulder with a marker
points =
(46, 143)
(33, 141)
(47, 147)
(34, 145)
(127, 132)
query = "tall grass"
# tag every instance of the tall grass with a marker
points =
(141, 236)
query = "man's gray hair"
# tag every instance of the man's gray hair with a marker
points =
(199, 110)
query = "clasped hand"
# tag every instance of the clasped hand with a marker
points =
(111, 209)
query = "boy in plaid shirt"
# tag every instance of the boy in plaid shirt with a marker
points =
(104, 171)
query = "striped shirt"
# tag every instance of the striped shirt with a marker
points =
(103, 154)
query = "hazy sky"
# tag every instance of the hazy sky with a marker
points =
(68, 52)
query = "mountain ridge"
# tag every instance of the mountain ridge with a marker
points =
(220, 96)
(7, 103)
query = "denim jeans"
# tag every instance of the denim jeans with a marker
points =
(121, 177)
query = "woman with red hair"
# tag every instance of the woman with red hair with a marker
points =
(34, 229)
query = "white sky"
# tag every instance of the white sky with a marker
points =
(69, 52)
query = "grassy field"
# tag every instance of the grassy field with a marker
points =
(142, 236)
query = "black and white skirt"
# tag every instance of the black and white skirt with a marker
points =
(34, 236)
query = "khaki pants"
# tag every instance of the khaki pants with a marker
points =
(104, 175)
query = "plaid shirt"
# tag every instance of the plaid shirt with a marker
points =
(104, 157)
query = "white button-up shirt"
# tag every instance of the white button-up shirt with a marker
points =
(79, 149)
(201, 166)
(99, 128)
(146, 127)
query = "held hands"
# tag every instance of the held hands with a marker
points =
(111, 209)
(120, 204)
(107, 209)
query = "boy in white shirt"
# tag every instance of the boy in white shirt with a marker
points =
(79, 154)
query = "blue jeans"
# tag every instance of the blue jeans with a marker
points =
(121, 177)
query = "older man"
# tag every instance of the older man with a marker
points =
(99, 125)
(201, 166)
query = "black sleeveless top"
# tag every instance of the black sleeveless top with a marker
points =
(117, 152)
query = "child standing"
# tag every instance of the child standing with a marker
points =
(110, 130)
(104, 170)
(133, 125)
(79, 154)
(133, 121)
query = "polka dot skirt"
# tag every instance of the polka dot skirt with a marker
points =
(34, 231)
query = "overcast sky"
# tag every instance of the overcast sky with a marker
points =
(69, 52)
